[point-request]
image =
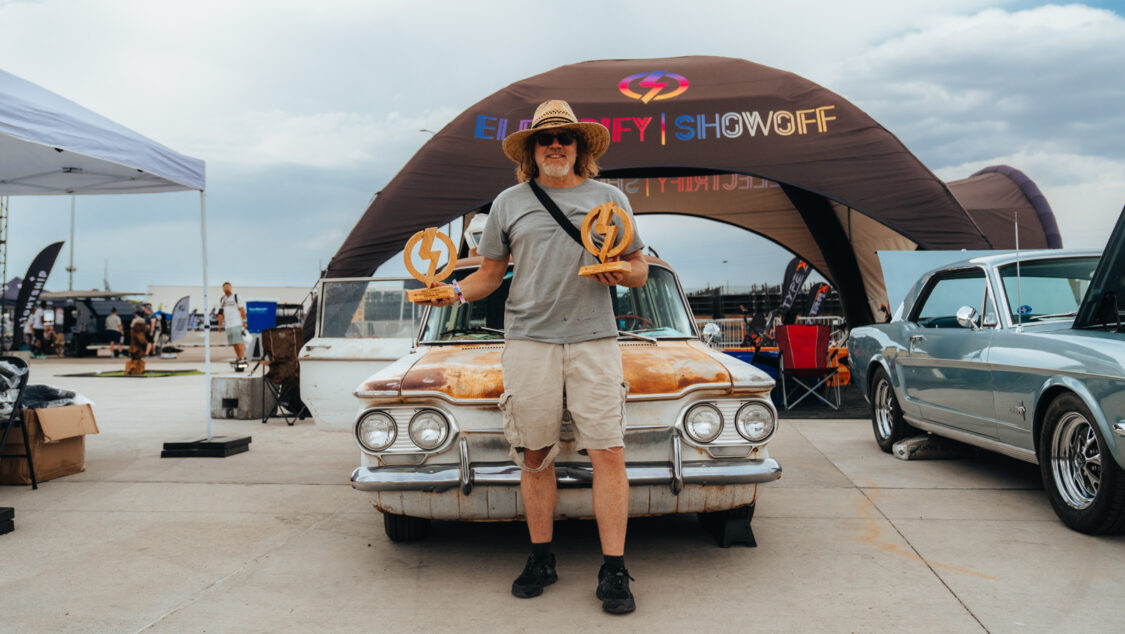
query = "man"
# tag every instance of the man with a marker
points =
(232, 318)
(38, 324)
(560, 335)
(113, 331)
(150, 330)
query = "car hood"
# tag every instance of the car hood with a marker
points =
(1107, 284)
(666, 369)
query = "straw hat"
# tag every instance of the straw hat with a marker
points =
(552, 114)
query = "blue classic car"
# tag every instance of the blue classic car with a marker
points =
(1023, 355)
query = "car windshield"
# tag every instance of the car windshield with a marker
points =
(368, 309)
(656, 310)
(1047, 289)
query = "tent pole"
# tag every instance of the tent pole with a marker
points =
(206, 316)
(70, 269)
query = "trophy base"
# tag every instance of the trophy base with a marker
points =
(427, 294)
(606, 267)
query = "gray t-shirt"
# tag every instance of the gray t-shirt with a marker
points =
(548, 300)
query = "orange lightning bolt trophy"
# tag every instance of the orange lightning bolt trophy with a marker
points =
(432, 256)
(600, 219)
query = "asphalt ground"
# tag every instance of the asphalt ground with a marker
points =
(275, 540)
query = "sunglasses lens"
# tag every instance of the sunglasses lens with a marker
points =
(545, 140)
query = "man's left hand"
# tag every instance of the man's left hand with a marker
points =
(610, 278)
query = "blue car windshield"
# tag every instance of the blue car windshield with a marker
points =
(1047, 289)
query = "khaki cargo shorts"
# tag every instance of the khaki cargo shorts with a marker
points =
(535, 376)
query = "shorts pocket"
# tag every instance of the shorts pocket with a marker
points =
(507, 406)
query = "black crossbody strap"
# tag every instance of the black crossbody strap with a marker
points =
(556, 213)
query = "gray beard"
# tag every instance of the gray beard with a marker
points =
(556, 171)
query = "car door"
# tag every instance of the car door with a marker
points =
(363, 325)
(945, 366)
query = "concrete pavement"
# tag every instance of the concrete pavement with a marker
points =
(850, 539)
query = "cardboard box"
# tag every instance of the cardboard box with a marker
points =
(58, 444)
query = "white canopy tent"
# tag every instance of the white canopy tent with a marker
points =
(50, 146)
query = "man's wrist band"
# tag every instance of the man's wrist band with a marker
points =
(457, 289)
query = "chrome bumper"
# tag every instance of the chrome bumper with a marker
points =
(438, 478)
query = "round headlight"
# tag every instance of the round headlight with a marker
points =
(376, 431)
(703, 422)
(754, 422)
(428, 429)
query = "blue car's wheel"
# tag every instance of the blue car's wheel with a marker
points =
(1083, 481)
(886, 415)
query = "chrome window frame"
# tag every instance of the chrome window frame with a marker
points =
(937, 277)
(320, 303)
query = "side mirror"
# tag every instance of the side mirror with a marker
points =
(712, 333)
(967, 317)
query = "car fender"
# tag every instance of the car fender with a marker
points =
(870, 347)
(1058, 384)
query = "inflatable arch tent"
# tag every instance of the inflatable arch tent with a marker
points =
(720, 138)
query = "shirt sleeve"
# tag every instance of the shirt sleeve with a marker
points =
(623, 202)
(494, 243)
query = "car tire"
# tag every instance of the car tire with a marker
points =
(404, 528)
(729, 526)
(1083, 481)
(886, 414)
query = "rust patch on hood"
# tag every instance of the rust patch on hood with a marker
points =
(383, 385)
(460, 372)
(474, 372)
(669, 368)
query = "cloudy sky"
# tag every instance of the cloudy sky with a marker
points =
(303, 110)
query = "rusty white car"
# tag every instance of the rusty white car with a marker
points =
(698, 421)
(362, 324)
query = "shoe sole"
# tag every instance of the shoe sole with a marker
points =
(616, 606)
(528, 592)
(622, 607)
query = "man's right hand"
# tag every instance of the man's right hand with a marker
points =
(439, 301)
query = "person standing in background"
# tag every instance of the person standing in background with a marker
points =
(38, 323)
(113, 331)
(232, 318)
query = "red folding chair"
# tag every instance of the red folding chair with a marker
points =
(804, 365)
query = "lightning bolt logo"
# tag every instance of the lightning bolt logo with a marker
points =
(427, 252)
(656, 82)
(605, 227)
(653, 82)
(601, 220)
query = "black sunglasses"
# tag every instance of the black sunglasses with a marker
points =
(545, 139)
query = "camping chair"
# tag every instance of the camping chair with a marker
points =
(804, 359)
(12, 394)
(280, 349)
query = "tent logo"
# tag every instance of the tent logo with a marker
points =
(661, 85)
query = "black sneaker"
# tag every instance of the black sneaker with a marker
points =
(537, 574)
(613, 590)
